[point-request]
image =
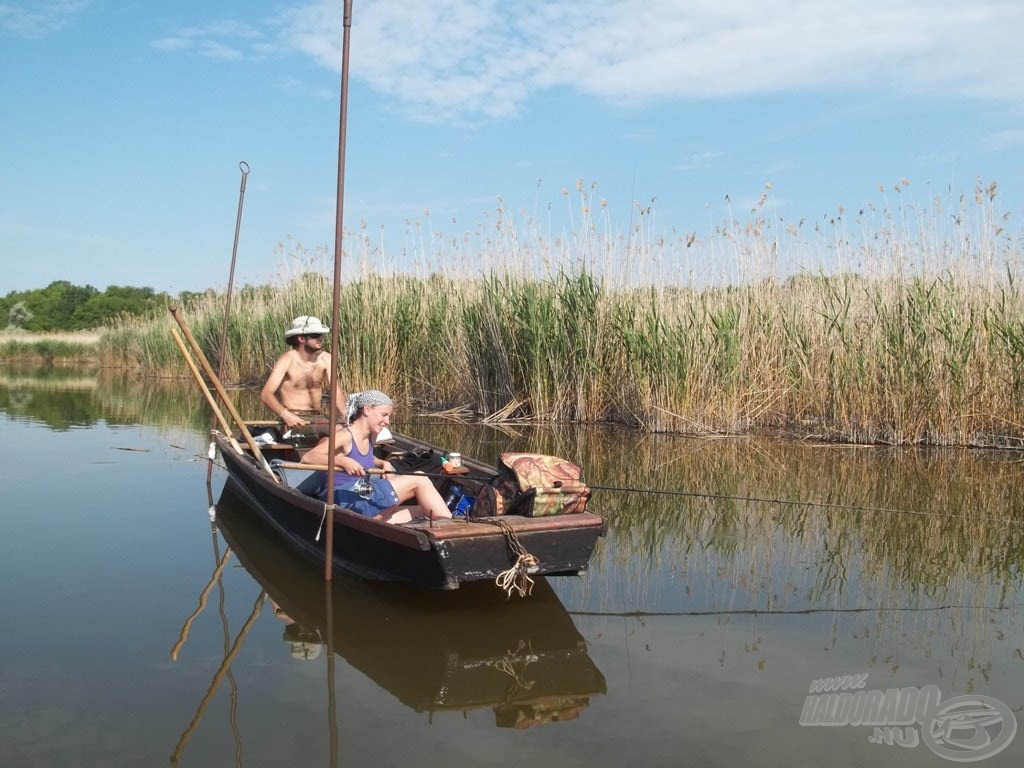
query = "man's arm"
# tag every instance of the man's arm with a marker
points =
(340, 397)
(341, 401)
(268, 395)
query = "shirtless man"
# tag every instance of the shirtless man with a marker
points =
(300, 375)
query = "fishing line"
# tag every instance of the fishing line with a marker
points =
(727, 497)
(793, 612)
(794, 503)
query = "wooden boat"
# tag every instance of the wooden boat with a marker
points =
(469, 650)
(437, 554)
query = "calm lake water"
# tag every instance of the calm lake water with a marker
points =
(692, 640)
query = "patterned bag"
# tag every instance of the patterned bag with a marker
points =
(536, 485)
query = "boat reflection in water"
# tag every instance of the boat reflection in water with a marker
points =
(523, 658)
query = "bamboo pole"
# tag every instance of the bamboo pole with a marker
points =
(206, 391)
(215, 380)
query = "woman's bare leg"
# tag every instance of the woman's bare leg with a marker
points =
(409, 487)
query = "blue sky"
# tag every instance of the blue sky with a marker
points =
(124, 122)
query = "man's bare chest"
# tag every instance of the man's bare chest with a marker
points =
(305, 373)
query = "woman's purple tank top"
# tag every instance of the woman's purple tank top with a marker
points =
(365, 459)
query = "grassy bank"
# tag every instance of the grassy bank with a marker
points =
(74, 347)
(895, 325)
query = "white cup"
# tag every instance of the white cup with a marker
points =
(455, 460)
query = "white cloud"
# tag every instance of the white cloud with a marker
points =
(171, 44)
(38, 19)
(697, 161)
(295, 85)
(225, 40)
(452, 58)
(217, 50)
(1007, 139)
(456, 60)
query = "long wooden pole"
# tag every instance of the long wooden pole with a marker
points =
(202, 385)
(215, 380)
(336, 296)
(222, 353)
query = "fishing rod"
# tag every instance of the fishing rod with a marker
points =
(687, 494)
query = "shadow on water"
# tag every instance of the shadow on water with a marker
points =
(524, 659)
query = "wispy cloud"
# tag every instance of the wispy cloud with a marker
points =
(484, 57)
(295, 85)
(1007, 139)
(697, 161)
(38, 19)
(225, 40)
(458, 60)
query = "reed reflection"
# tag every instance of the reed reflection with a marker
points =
(435, 652)
(966, 546)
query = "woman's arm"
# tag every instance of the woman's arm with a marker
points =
(318, 454)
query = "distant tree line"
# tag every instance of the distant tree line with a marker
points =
(61, 306)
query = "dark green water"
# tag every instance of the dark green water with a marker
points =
(692, 640)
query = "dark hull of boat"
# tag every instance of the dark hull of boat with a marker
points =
(432, 651)
(441, 555)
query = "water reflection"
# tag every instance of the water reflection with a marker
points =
(66, 398)
(708, 617)
(960, 536)
(433, 651)
(61, 398)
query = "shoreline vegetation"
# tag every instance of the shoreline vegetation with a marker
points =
(50, 348)
(896, 324)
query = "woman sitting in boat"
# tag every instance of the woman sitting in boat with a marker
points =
(370, 412)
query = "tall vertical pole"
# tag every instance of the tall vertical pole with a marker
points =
(222, 353)
(222, 357)
(336, 298)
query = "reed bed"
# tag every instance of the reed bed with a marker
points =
(898, 324)
(22, 346)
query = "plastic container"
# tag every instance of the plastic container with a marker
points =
(464, 505)
(459, 502)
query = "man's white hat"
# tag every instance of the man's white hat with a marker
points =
(304, 325)
(305, 651)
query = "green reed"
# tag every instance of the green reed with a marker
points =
(21, 346)
(906, 328)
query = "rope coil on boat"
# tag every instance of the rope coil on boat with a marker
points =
(516, 578)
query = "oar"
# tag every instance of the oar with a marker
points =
(206, 391)
(215, 380)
